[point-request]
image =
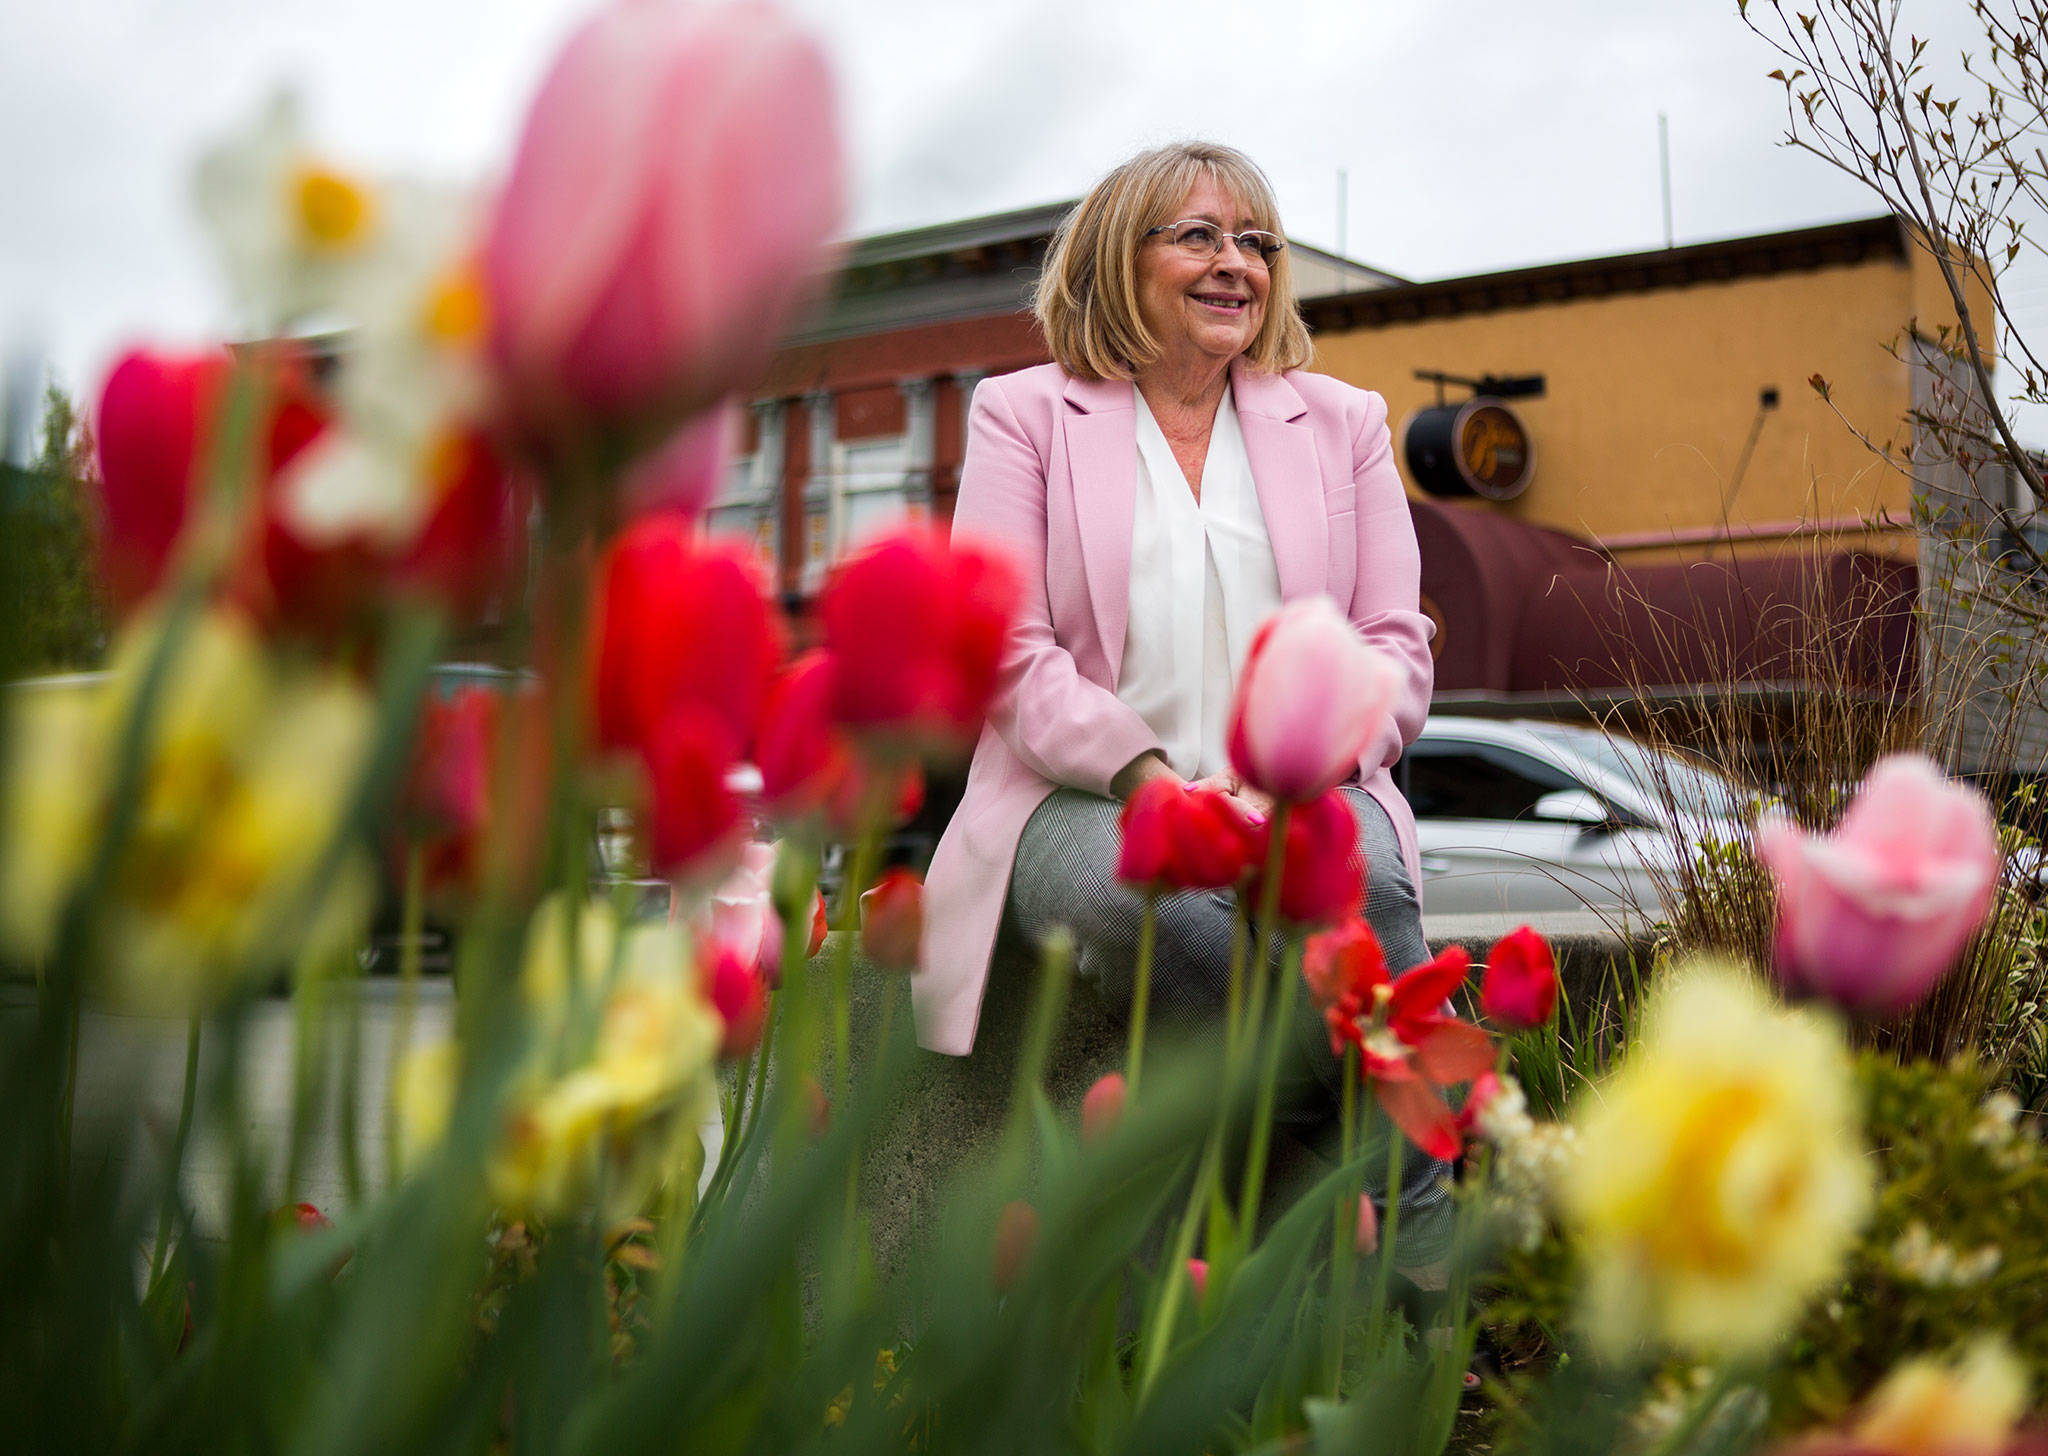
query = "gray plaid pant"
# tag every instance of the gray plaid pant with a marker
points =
(1065, 874)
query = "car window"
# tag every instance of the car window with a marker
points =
(1695, 791)
(1448, 780)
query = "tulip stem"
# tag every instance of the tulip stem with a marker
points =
(1269, 1080)
(1344, 1225)
(1390, 1230)
(1158, 1337)
(175, 1166)
(411, 927)
(1141, 993)
(1268, 927)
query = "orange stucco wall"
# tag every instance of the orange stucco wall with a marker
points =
(1651, 396)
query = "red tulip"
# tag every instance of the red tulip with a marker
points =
(685, 474)
(918, 627)
(668, 207)
(679, 622)
(697, 824)
(734, 987)
(1520, 987)
(1198, 1275)
(447, 795)
(1311, 697)
(1410, 1047)
(799, 749)
(820, 925)
(1874, 914)
(1180, 837)
(306, 1216)
(156, 426)
(892, 920)
(1016, 1233)
(1103, 1108)
(1342, 966)
(1322, 873)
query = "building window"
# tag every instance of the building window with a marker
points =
(747, 506)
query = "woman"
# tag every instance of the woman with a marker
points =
(1165, 485)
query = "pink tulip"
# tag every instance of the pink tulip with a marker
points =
(743, 918)
(1311, 697)
(1103, 1108)
(667, 209)
(1198, 1275)
(1872, 915)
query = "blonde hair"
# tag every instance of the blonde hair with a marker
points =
(1087, 298)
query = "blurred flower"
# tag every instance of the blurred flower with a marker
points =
(1016, 1234)
(1198, 1275)
(1924, 1259)
(1310, 697)
(1519, 990)
(636, 292)
(1180, 837)
(1322, 871)
(1103, 1107)
(1872, 915)
(1530, 1158)
(697, 825)
(423, 1097)
(892, 920)
(244, 782)
(453, 788)
(633, 996)
(289, 223)
(800, 751)
(1409, 1046)
(156, 430)
(680, 623)
(1966, 1406)
(686, 474)
(738, 992)
(1719, 1179)
(820, 925)
(741, 916)
(917, 626)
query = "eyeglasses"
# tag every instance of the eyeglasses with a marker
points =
(1206, 240)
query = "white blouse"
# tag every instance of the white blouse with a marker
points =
(1202, 582)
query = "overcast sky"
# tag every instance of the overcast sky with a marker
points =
(1477, 134)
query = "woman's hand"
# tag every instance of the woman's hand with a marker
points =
(1256, 806)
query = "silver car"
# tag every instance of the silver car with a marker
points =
(1519, 817)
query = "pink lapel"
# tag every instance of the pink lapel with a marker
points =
(1288, 475)
(1102, 463)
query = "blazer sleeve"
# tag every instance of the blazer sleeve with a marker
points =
(1386, 598)
(1064, 726)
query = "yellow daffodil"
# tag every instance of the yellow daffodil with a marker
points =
(1719, 1176)
(245, 776)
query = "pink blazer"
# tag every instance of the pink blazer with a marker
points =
(1051, 477)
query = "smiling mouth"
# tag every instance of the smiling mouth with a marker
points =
(1222, 304)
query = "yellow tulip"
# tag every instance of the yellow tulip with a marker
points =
(1719, 1177)
(245, 776)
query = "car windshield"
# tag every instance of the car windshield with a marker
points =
(1693, 790)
